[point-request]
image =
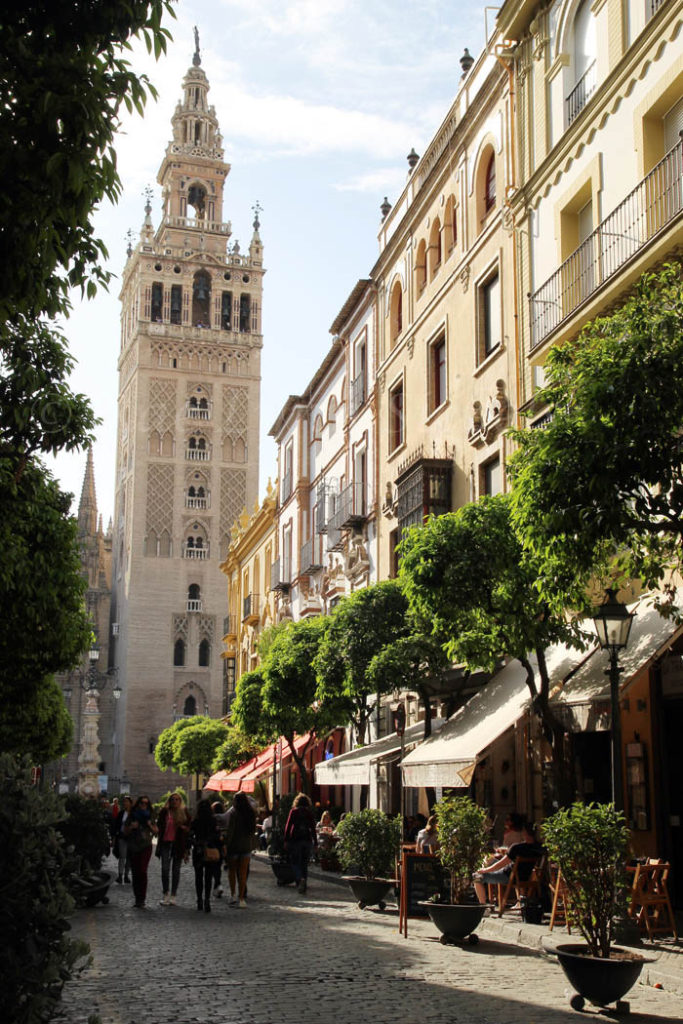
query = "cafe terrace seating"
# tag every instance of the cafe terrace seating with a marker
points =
(509, 893)
(650, 904)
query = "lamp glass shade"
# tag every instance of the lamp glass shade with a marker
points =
(613, 623)
(116, 692)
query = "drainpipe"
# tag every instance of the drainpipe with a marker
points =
(507, 62)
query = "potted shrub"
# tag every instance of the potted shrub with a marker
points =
(463, 834)
(588, 843)
(370, 841)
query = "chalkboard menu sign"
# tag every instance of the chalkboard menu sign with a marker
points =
(421, 876)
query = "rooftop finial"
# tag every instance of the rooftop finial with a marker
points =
(147, 193)
(129, 236)
(196, 59)
(257, 208)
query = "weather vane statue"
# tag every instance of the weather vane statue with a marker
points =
(196, 60)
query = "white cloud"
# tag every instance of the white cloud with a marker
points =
(387, 181)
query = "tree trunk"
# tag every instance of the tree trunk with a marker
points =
(427, 705)
(301, 764)
(554, 731)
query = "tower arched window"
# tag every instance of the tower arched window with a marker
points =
(190, 707)
(194, 598)
(179, 653)
(204, 653)
(201, 299)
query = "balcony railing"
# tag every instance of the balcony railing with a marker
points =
(358, 394)
(280, 574)
(198, 554)
(197, 414)
(311, 554)
(350, 507)
(653, 204)
(196, 502)
(194, 604)
(250, 607)
(229, 628)
(197, 454)
(215, 226)
(581, 93)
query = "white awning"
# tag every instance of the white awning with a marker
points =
(586, 694)
(448, 759)
(354, 768)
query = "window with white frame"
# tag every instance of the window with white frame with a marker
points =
(490, 319)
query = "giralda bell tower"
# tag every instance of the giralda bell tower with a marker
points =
(187, 447)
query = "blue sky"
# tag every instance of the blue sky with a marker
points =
(319, 102)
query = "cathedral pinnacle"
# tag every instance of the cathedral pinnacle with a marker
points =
(87, 508)
(196, 59)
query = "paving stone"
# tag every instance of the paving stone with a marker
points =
(289, 958)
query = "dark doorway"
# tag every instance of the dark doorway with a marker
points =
(672, 730)
(592, 762)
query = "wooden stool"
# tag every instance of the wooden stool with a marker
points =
(514, 886)
(560, 908)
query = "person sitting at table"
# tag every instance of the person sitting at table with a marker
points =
(427, 841)
(499, 872)
(325, 824)
(515, 830)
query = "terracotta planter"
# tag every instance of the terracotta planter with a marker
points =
(369, 892)
(599, 981)
(455, 920)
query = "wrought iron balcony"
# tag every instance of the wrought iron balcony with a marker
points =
(581, 93)
(280, 575)
(250, 608)
(646, 212)
(311, 554)
(350, 507)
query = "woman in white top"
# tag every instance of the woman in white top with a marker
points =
(427, 841)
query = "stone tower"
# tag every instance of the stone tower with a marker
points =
(187, 446)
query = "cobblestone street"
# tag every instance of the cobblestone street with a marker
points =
(289, 958)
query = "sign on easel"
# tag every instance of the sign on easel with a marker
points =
(422, 875)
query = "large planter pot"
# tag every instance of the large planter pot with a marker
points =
(369, 892)
(89, 890)
(455, 920)
(599, 981)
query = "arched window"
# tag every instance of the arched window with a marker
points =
(490, 184)
(179, 653)
(204, 654)
(201, 298)
(396, 312)
(434, 248)
(190, 707)
(194, 592)
(421, 265)
(450, 231)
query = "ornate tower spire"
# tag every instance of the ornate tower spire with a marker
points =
(87, 508)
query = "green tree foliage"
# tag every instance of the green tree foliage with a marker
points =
(361, 626)
(63, 83)
(463, 833)
(248, 713)
(189, 745)
(468, 574)
(36, 722)
(370, 840)
(606, 474)
(85, 831)
(236, 749)
(588, 843)
(413, 662)
(35, 904)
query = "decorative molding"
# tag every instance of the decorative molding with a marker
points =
(484, 428)
(465, 277)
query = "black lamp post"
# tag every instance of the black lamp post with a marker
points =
(613, 624)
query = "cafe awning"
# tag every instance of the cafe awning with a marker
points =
(245, 777)
(354, 768)
(585, 696)
(449, 758)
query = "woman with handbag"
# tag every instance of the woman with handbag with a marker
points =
(239, 824)
(139, 831)
(206, 853)
(174, 826)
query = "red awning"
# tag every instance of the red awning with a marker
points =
(245, 777)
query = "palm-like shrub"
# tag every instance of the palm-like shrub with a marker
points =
(371, 841)
(588, 843)
(463, 833)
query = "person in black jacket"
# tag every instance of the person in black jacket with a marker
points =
(205, 836)
(300, 838)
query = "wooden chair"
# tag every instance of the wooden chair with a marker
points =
(650, 904)
(560, 905)
(514, 888)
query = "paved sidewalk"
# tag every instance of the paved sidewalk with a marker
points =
(288, 958)
(666, 972)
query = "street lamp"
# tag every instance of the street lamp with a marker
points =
(613, 624)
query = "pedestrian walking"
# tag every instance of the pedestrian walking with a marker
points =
(300, 839)
(205, 852)
(121, 841)
(217, 807)
(172, 846)
(239, 824)
(139, 831)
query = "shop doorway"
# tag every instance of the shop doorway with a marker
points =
(672, 730)
(592, 764)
